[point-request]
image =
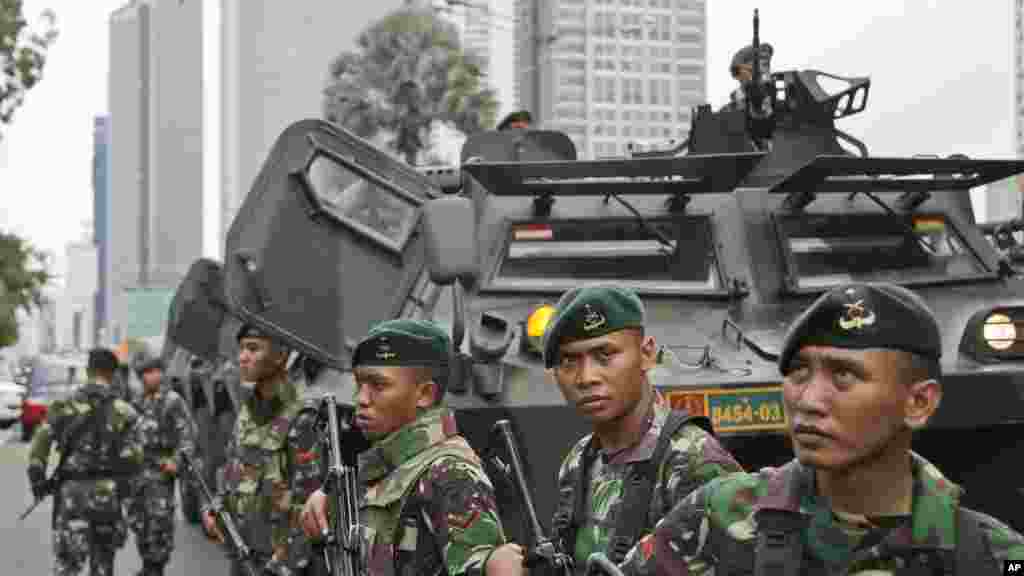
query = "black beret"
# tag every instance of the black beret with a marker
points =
(863, 316)
(403, 343)
(249, 331)
(589, 312)
(102, 359)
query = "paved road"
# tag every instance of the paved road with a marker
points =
(26, 545)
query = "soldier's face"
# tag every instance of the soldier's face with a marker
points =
(257, 360)
(603, 378)
(846, 407)
(387, 397)
(744, 72)
(151, 379)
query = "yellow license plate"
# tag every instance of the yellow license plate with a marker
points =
(739, 410)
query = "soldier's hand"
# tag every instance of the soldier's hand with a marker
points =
(507, 560)
(212, 530)
(314, 515)
(170, 468)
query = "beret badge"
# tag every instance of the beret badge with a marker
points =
(592, 319)
(855, 314)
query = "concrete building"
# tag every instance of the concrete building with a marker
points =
(37, 330)
(76, 305)
(129, 126)
(156, 194)
(271, 67)
(608, 73)
(101, 223)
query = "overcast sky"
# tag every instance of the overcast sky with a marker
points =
(941, 72)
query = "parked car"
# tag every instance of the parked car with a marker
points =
(52, 378)
(11, 396)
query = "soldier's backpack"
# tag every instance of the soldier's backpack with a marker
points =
(780, 551)
(639, 490)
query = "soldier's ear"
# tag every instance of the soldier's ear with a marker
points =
(923, 400)
(426, 393)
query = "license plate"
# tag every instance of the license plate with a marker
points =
(740, 410)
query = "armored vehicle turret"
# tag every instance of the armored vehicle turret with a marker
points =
(725, 239)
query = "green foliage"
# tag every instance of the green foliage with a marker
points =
(23, 273)
(410, 71)
(22, 55)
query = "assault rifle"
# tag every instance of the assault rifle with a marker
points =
(341, 542)
(49, 487)
(760, 99)
(239, 549)
(543, 557)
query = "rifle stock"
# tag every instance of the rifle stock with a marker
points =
(543, 556)
(239, 549)
(341, 545)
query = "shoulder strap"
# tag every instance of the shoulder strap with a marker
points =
(567, 528)
(972, 554)
(640, 488)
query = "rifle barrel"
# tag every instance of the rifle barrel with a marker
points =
(341, 481)
(505, 429)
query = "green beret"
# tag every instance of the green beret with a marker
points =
(863, 316)
(403, 343)
(589, 312)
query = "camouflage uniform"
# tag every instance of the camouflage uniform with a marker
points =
(720, 517)
(693, 458)
(270, 471)
(166, 431)
(87, 521)
(426, 464)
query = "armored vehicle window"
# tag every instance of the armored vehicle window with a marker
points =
(371, 210)
(826, 250)
(557, 255)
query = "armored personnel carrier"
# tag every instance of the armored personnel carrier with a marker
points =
(725, 238)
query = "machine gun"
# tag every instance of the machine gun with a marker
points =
(239, 549)
(760, 98)
(543, 557)
(341, 547)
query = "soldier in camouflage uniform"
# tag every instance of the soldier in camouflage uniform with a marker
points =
(861, 373)
(96, 434)
(166, 431)
(599, 356)
(270, 466)
(428, 506)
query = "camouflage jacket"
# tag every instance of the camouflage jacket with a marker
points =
(693, 458)
(166, 431)
(720, 517)
(269, 472)
(455, 524)
(113, 452)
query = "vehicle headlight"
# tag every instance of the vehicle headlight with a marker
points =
(993, 335)
(536, 323)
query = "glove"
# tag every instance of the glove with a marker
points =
(37, 480)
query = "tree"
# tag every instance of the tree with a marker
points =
(410, 71)
(23, 273)
(22, 55)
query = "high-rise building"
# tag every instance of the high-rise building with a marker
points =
(1018, 64)
(156, 195)
(75, 311)
(610, 72)
(101, 222)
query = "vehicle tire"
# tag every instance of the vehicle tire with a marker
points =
(189, 502)
(26, 432)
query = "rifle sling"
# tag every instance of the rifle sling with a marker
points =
(639, 490)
